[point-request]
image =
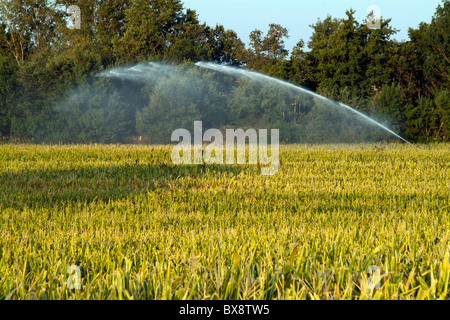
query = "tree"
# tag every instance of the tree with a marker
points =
(30, 24)
(190, 43)
(318, 59)
(7, 93)
(96, 111)
(149, 28)
(226, 47)
(437, 47)
(389, 105)
(377, 51)
(174, 103)
(299, 68)
(264, 53)
(406, 63)
(348, 55)
(430, 119)
(109, 26)
(424, 69)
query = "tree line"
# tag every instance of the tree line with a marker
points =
(42, 60)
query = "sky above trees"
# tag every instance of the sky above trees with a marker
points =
(243, 16)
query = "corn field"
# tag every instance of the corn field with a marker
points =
(124, 222)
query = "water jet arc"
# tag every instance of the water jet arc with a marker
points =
(264, 78)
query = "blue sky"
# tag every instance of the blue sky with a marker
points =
(243, 16)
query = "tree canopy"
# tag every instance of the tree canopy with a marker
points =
(48, 91)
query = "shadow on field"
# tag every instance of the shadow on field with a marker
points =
(48, 188)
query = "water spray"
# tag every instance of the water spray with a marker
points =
(261, 77)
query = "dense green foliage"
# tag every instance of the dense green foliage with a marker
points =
(44, 64)
(139, 227)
